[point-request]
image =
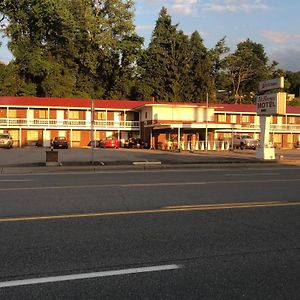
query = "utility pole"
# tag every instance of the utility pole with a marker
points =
(92, 130)
(206, 124)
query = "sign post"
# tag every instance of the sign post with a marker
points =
(266, 106)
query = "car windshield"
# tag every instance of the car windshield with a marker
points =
(4, 136)
(247, 137)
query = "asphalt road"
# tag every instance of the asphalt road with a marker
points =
(168, 234)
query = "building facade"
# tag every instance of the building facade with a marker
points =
(186, 126)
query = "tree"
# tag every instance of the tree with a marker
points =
(245, 68)
(166, 61)
(82, 48)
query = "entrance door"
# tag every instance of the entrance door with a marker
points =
(30, 116)
(46, 138)
(60, 116)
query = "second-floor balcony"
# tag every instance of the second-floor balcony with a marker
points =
(74, 124)
(273, 127)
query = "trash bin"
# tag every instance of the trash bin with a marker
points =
(51, 158)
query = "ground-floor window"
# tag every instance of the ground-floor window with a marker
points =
(76, 136)
(32, 135)
(62, 133)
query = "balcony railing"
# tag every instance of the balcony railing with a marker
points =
(273, 127)
(82, 124)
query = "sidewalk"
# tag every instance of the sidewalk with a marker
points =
(33, 160)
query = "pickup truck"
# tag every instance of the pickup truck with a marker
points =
(244, 142)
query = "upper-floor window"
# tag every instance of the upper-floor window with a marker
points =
(74, 114)
(245, 119)
(43, 114)
(292, 120)
(232, 118)
(101, 115)
(221, 118)
(146, 115)
(12, 113)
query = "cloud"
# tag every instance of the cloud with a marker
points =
(235, 6)
(284, 48)
(280, 38)
(184, 7)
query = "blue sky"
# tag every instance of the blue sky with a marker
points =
(274, 23)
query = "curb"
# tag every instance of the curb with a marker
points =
(142, 165)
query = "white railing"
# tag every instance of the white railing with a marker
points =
(273, 127)
(53, 123)
(197, 146)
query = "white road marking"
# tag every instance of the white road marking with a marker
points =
(252, 174)
(15, 180)
(32, 281)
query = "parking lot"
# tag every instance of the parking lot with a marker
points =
(35, 156)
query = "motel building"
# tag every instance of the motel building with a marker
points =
(33, 121)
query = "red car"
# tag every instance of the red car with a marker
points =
(112, 143)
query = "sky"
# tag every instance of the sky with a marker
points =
(273, 23)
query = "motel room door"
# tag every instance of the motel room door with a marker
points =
(60, 116)
(46, 138)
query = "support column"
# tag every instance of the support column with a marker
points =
(265, 151)
(178, 139)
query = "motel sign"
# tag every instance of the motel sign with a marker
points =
(271, 104)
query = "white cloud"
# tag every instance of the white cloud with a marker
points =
(234, 6)
(280, 38)
(184, 7)
(284, 48)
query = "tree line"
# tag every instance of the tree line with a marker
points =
(90, 49)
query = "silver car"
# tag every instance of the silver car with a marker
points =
(6, 140)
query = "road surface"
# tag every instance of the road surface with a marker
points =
(165, 234)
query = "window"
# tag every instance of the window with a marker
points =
(233, 119)
(12, 113)
(291, 120)
(32, 135)
(76, 136)
(146, 115)
(245, 119)
(61, 133)
(74, 114)
(101, 115)
(221, 118)
(43, 114)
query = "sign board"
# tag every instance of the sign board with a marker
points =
(271, 104)
(277, 83)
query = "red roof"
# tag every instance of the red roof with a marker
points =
(68, 102)
(251, 108)
(122, 104)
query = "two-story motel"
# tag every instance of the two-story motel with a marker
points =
(35, 121)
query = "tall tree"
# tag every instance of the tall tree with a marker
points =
(166, 61)
(200, 69)
(246, 67)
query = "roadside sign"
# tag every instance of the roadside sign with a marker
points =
(277, 83)
(271, 104)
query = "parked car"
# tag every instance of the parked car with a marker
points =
(112, 143)
(6, 140)
(245, 142)
(135, 143)
(60, 142)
